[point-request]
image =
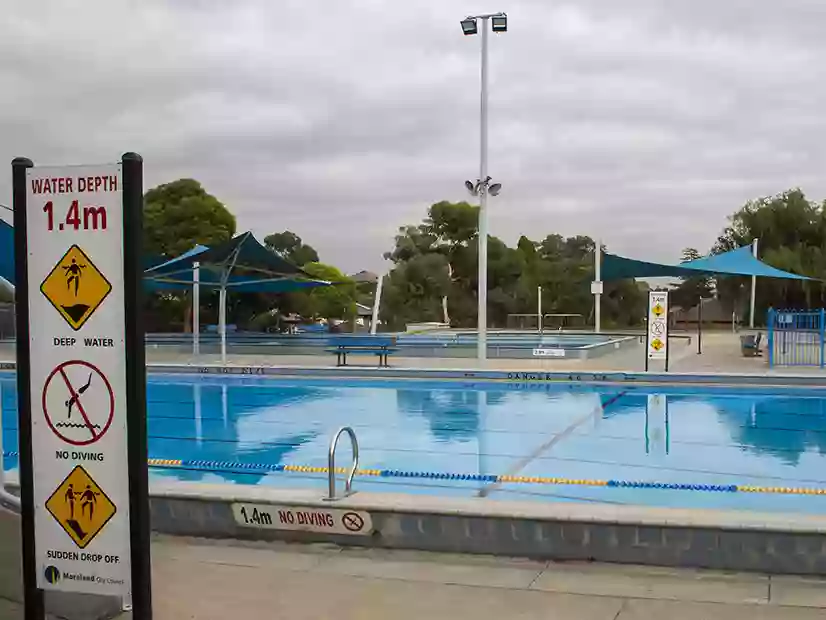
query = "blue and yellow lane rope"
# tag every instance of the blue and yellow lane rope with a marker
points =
(263, 468)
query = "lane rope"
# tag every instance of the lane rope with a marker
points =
(262, 468)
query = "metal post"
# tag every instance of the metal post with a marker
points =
(598, 287)
(482, 287)
(700, 327)
(770, 320)
(376, 305)
(136, 387)
(753, 288)
(822, 337)
(33, 608)
(539, 306)
(196, 308)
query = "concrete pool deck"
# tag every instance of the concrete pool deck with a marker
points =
(720, 354)
(198, 579)
(203, 580)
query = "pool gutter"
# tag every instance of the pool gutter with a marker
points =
(724, 540)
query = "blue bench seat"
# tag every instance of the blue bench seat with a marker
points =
(380, 346)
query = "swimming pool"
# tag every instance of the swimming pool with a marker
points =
(424, 436)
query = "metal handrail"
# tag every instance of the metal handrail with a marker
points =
(331, 463)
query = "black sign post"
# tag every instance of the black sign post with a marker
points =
(32, 595)
(136, 387)
(135, 397)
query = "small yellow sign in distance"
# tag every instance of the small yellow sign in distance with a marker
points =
(658, 310)
(657, 344)
(75, 287)
(81, 507)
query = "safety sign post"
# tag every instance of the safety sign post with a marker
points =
(656, 333)
(82, 382)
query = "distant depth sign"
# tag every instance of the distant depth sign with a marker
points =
(77, 324)
(657, 339)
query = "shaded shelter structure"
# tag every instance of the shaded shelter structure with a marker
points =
(738, 262)
(240, 265)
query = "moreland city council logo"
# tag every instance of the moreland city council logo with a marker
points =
(52, 574)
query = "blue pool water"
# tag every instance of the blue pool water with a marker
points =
(709, 436)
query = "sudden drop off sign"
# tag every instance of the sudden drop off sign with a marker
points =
(77, 373)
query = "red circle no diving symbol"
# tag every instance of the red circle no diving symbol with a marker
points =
(78, 402)
(352, 521)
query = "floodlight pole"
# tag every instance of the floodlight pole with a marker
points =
(482, 289)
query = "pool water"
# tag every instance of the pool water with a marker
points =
(235, 427)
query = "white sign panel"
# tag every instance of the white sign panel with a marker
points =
(304, 519)
(78, 378)
(657, 325)
(546, 352)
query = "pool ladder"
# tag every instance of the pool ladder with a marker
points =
(331, 464)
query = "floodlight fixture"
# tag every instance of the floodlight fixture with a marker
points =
(499, 23)
(469, 26)
(471, 187)
(494, 189)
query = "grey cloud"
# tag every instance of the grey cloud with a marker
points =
(643, 122)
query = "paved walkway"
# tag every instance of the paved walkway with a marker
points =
(202, 580)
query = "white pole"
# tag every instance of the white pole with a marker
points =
(482, 289)
(222, 322)
(224, 405)
(753, 287)
(196, 308)
(598, 287)
(539, 306)
(376, 305)
(199, 429)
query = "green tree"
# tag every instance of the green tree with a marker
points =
(690, 290)
(180, 215)
(791, 234)
(177, 217)
(437, 261)
(289, 246)
(329, 302)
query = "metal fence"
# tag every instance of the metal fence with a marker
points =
(797, 337)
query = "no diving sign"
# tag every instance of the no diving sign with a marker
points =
(304, 519)
(78, 402)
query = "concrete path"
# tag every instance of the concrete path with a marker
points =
(203, 580)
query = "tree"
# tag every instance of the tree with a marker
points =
(791, 234)
(177, 217)
(691, 289)
(180, 215)
(436, 268)
(289, 246)
(450, 229)
(329, 302)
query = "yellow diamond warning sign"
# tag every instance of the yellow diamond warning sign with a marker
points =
(658, 310)
(75, 287)
(657, 344)
(81, 507)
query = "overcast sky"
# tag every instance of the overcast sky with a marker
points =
(641, 121)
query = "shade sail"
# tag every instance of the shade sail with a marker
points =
(7, 252)
(740, 262)
(737, 262)
(243, 252)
